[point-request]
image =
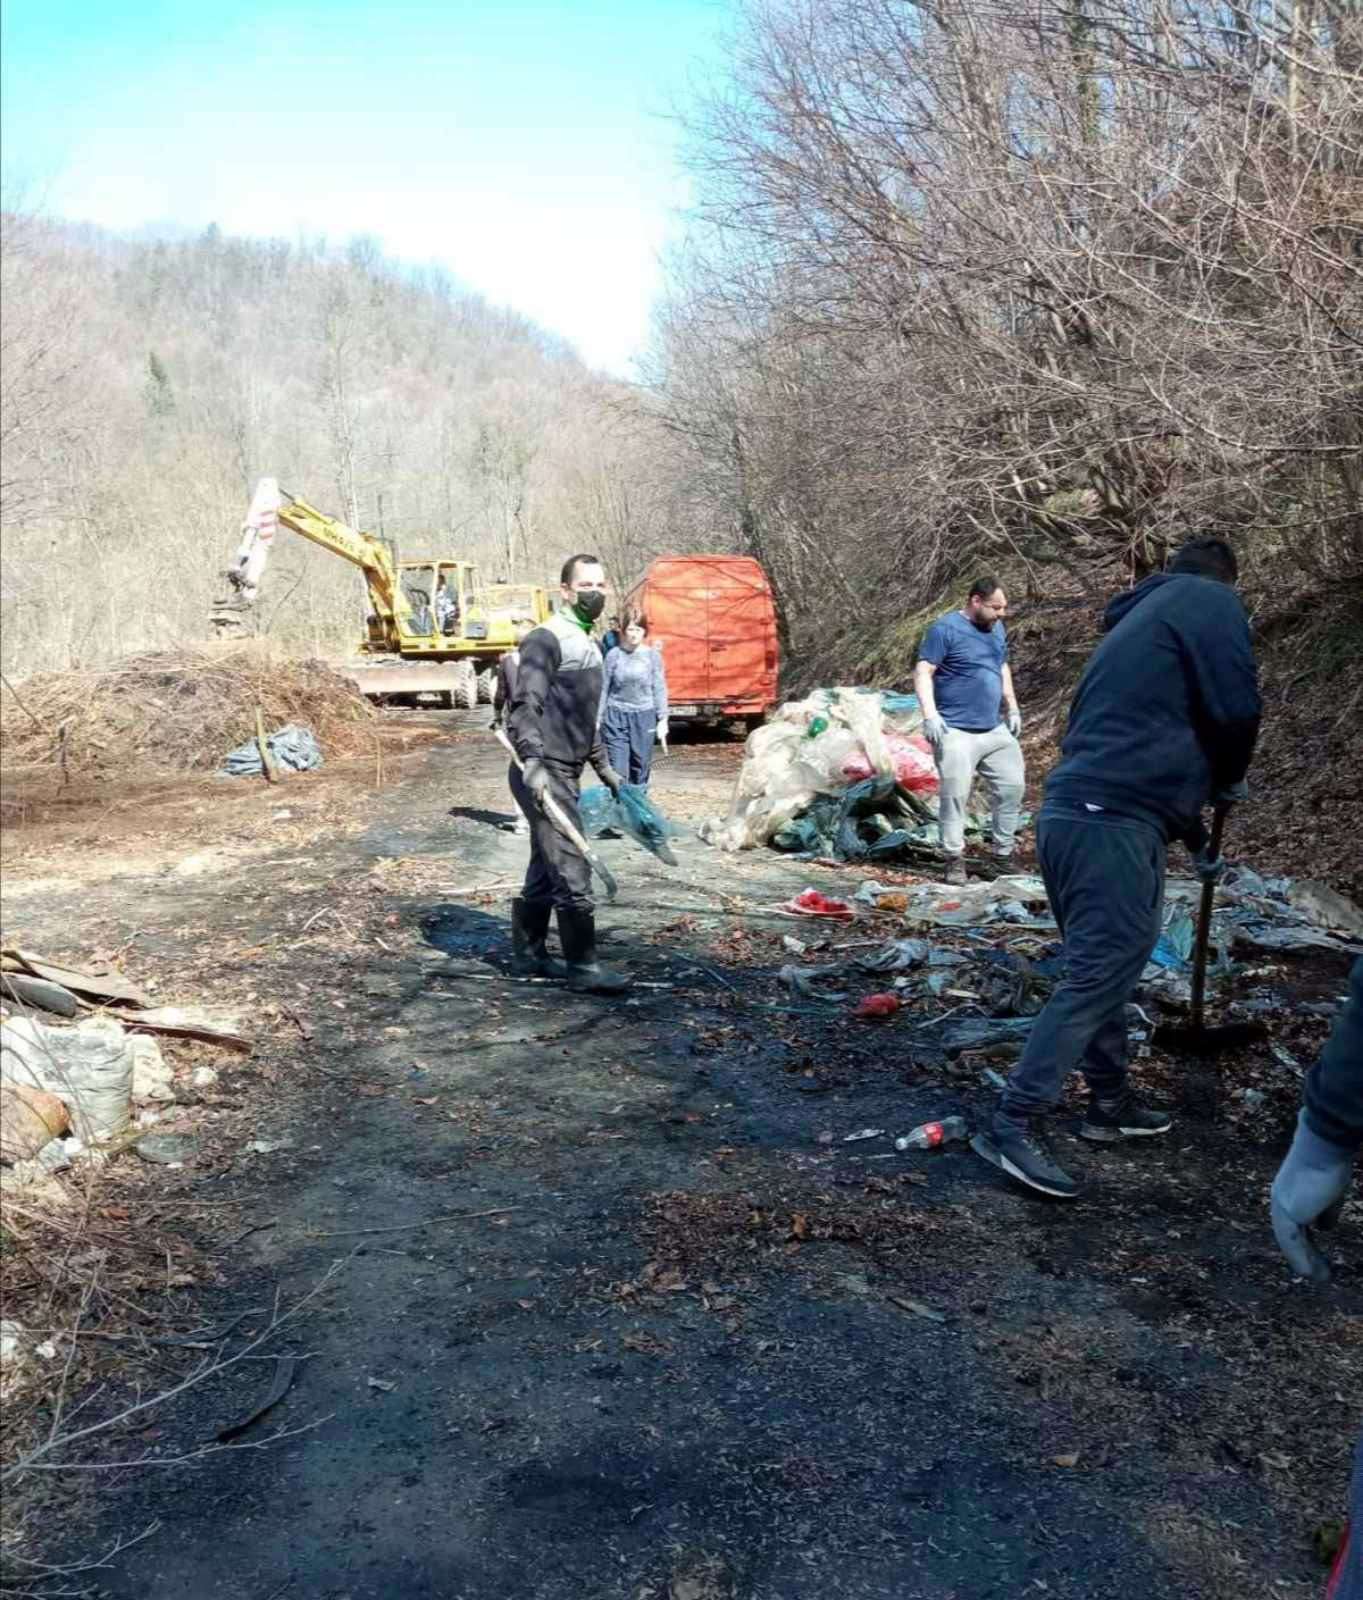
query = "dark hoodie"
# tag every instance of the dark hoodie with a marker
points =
(1167, 710)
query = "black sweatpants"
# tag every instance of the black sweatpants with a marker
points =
(558, 870)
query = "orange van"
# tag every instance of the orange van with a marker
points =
(714, 619)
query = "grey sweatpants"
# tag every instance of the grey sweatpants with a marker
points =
(558, 870)
(1105, 879)
(997, 757)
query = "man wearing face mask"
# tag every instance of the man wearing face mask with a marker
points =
(552, 723)
(962, 681)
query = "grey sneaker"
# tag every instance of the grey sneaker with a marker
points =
(994, 866)
(955, 873)
(1110, 1121)
(1024, 1154)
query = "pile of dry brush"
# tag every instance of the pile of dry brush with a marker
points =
(174, 711)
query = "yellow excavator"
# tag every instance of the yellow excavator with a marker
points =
(432, 630)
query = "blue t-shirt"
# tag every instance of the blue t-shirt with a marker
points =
(968, 683)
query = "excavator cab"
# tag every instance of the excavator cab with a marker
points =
(440, 594)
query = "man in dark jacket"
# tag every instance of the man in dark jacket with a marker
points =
(1163, 721)
(552, 723)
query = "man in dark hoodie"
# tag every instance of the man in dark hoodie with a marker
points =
(1163, 721)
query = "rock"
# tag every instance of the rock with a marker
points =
(11, 1342)
(88, 1068)
(167, 1149)
(203, 1078)
(152, 1075)
(26, 1114)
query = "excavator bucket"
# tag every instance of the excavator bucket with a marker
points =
(257, 540)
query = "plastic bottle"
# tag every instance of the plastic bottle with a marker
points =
(931, 1134)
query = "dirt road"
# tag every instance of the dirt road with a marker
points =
(697, 1347)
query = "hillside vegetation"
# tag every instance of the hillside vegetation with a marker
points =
(1040, 288)
(147, 385)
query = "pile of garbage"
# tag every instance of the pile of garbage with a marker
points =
(844, 773)
(71, 1093)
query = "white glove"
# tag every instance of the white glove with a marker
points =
(1308, 1192)
(1014, 721)
(535, 776)
(660, 732)
(935, 731)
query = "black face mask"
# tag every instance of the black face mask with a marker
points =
(590, 604)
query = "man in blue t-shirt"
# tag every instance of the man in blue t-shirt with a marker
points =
(962, 681)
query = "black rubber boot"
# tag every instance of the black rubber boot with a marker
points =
(577, 931)
(529, 928)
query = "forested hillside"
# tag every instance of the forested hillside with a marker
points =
(146, 385)
(1044, 288)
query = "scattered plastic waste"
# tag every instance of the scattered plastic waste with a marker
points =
(810, 903)
(877, 1005)
(862, 1133)
(929, 1135)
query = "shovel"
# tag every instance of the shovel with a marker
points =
(1197, 1038)
(557, 816)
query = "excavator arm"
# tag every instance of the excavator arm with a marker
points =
(271, 510)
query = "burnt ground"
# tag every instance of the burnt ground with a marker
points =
(701, 1348)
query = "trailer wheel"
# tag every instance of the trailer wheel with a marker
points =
(487, 686)
(466, 687)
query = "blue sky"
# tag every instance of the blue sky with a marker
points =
(522, 143)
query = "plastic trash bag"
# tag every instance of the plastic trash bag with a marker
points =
(630, 812)
(293, 748)
(800, 755)
(915, 766)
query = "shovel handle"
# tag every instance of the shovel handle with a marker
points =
(1204, 925)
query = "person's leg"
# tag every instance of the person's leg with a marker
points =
(539, 882)
(955, 774)
(574, 907)
(615, 738)
(999, 763)
(641, 729)
(1105, 879)
(533, 908)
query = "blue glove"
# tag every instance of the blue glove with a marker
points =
(1231, 795)
(1308, 1191)
(1209, 868)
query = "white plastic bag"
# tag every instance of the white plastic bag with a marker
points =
(90, 1069)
